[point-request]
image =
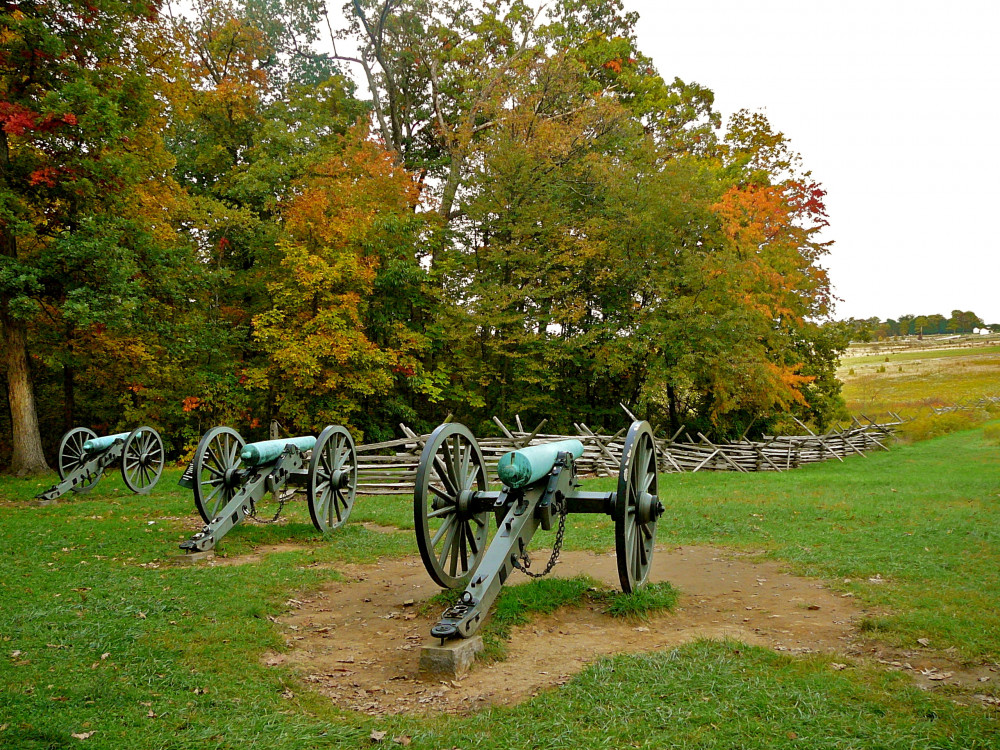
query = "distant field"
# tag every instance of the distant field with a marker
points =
(909, 376)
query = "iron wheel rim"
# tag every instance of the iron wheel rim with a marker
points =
(635, 539)
(450, 464)
(142, 460)
(72, 456)
(217, 455)
(329, 505)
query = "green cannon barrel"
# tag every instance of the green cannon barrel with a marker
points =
(522, 467)
(255, 454)
(96, 445)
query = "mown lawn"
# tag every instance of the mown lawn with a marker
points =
(99, 637)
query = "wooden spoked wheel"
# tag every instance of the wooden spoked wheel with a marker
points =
(451, 535)
(142, 460)
(333, 478)
(637, 507)
(216, 462)
(72, 456)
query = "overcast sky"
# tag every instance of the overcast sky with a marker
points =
(894, 106)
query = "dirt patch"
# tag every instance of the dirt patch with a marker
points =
(358, 641)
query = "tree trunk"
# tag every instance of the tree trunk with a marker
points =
(69, 400)
(28, 457)
(672, 406)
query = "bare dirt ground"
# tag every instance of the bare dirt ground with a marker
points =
(358, 641)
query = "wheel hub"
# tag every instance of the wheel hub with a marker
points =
(648, 508)
(465, 502)
(340, 479)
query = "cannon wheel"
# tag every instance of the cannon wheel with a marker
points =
(636, 507)
(217, 455)
(333, 478)
(72, 457)
(142, 460)
(451, 537)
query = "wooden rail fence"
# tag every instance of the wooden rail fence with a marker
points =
(390, 467)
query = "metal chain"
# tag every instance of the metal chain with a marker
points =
(283, 497)
(525, 560)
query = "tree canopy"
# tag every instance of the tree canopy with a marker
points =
(204, 222)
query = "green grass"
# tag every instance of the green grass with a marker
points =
(516, 604)
(97, 632)
(910, 380)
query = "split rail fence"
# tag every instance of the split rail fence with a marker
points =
(390, 467)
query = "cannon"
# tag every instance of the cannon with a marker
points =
(229, 478)
(452, 507)
(83, 457)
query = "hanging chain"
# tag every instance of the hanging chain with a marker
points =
(283, 497)
(524, 562)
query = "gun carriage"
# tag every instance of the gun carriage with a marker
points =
(83, 456)
(229, 477)
(452, 507)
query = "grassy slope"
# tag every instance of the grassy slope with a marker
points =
(905, 380)
(107, 635)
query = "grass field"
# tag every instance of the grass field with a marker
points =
(104, 645)
(909, 376)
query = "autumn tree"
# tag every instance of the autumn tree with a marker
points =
(254, 105)
(334, 341)
(76, 141)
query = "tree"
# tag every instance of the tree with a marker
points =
(351, 220)
(76, 108)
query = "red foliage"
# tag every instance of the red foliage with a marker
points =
(16, 119)
(44, 176)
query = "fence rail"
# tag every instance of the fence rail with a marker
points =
(390, 467)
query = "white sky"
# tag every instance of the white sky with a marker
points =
(894, 106)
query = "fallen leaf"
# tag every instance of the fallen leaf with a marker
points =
(837, 666)
(15, 654)
(142, 615)
(377, 736)
(791, 735)
(813, 607)
(83, 735)
(924, 641)
(288, 694)
(150, 714)
(402, 739)
(105, 655)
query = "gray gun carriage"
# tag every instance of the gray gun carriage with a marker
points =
(83, 456)
(452, 507)
(230, 477)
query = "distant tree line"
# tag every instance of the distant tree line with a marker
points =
(202, 223)
(872, 329)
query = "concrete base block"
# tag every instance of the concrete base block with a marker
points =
(452, 660)
(190, 558)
